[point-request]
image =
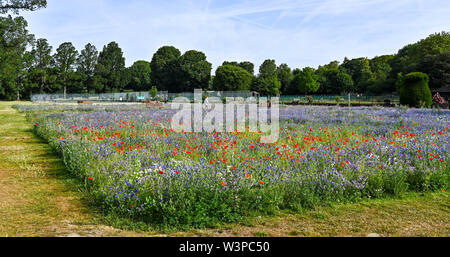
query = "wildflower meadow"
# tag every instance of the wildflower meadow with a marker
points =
(132, 164)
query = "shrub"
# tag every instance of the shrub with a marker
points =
(153, 92)
(414, 90)
(338, 99)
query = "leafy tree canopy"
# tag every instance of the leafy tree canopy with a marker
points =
(164, 65)
(408, 58)
(140, 73)
(232, 78)
(110, 66)
(15, 6)
(195, 71)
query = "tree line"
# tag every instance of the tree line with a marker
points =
(29, 66)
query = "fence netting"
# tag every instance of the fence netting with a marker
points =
(166, 96)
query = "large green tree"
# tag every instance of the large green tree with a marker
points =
(86, 63)
(246, 65)
(65, 59)
(165, 68)
(334, 80)
(75, 82)
(359, 70)
(140, 76)
(267, 82)
(305, 81)
(23, 82)
(194, 71)
(232, 78)
(285, 76)
(14, 39)
(381, 81)
(42, 60)
(110, 67)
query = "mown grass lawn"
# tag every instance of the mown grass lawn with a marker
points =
(39, 198)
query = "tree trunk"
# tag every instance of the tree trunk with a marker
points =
(41, 86)
(65, 87)
(18, 86)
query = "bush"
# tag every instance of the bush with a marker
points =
(414, 90)
(338, 99)
(153, 92)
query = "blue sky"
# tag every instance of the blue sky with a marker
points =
(300, 33)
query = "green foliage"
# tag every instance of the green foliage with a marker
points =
(304, 82)
(86, 62)
(153, 92)
(380, 66)
(360, 71)
(381, 82)
(165, 68)
(98, 84)
(110, 67)
(246, 65)
(75, 83)
(232, 78)
(266, 86)
(284, 75)
(414, 90)
(64, 60)
(334, 80)
(409, 57)
(42, 60)
(65, 57)
(15, 6)
(437, 67)
(140, 76)
(194, 71)
(268, 69)
(14, 39)
(267, 82)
